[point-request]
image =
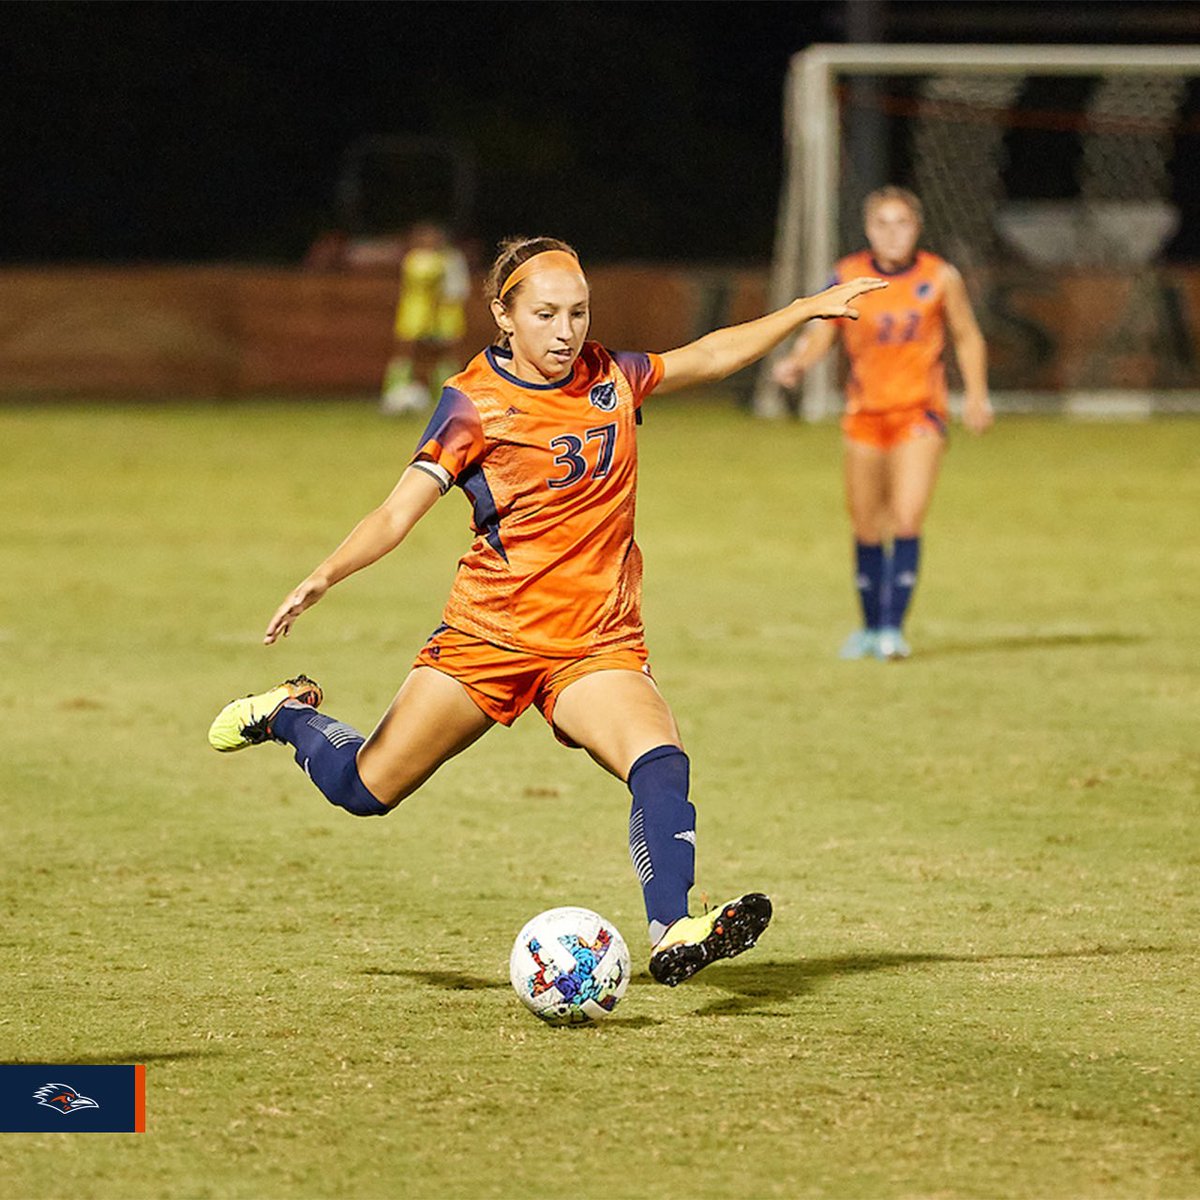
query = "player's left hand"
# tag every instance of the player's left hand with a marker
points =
(977, 415)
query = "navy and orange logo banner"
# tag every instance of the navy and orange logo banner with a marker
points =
(72, 1098)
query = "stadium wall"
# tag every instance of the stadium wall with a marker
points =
(227, 332)
(232, 331)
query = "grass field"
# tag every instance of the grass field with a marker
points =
(981, 978)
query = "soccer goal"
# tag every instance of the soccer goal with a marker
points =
(1061, 180)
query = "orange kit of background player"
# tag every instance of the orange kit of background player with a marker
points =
(896, 410)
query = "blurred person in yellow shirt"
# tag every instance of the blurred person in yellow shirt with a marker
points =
(430, 320)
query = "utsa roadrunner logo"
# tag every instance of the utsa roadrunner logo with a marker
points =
(604, 396)
(62, 1097)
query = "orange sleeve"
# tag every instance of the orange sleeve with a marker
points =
(453, 440)
(644, 371)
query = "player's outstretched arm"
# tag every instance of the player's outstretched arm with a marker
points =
(379, 532)
(971, 351)
(719, 354)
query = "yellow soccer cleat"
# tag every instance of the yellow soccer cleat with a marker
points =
(247, 722)
(693, 942)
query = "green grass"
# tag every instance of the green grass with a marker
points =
(981, 977)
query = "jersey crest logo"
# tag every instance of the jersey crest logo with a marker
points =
(604, 396)
(923, 290)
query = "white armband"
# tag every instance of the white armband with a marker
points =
(436, 471)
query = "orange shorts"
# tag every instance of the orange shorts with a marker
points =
(888, 429)
(504, 683)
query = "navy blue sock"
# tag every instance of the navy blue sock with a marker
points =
(901, 579)
(868, 578)
(662, 834)
(326, 752)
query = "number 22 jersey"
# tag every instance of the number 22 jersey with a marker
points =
(895, 347)
(551, 473)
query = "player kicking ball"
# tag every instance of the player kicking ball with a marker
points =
(539, 432)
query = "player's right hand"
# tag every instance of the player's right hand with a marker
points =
(787, 373)
(302, 597)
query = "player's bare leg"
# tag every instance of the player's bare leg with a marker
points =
(866, 482)
(866, 476)
(432, 719)
(623, 722)
(616, 716)
(912, 469)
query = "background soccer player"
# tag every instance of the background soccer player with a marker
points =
(539, 432)
(430, 320)
(896, 412)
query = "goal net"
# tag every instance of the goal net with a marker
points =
(1061, 180)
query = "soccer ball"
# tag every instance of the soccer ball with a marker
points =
(569, 966)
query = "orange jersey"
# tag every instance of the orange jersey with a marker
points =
(895, 347)
(551, 473)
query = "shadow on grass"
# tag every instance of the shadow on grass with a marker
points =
(610, 1026)
(460, 981)
(754, 987)
(1032, 641)
(450, 981)
(126, 1057)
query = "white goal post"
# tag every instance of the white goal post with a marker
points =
(947, 121)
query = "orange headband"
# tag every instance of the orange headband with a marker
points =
(546, 258)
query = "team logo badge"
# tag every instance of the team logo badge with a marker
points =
(604, 396)
(62, 1097)
(923, 290)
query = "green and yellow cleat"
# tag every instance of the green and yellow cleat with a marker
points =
(693, 942)
(247, 722)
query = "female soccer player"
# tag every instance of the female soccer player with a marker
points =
(895, 422)
(539, 433)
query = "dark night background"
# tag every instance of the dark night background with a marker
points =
(183, 131)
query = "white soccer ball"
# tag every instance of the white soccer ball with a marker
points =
(569, 965)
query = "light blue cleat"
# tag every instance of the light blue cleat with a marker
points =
(860, 644)
(891, 644)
